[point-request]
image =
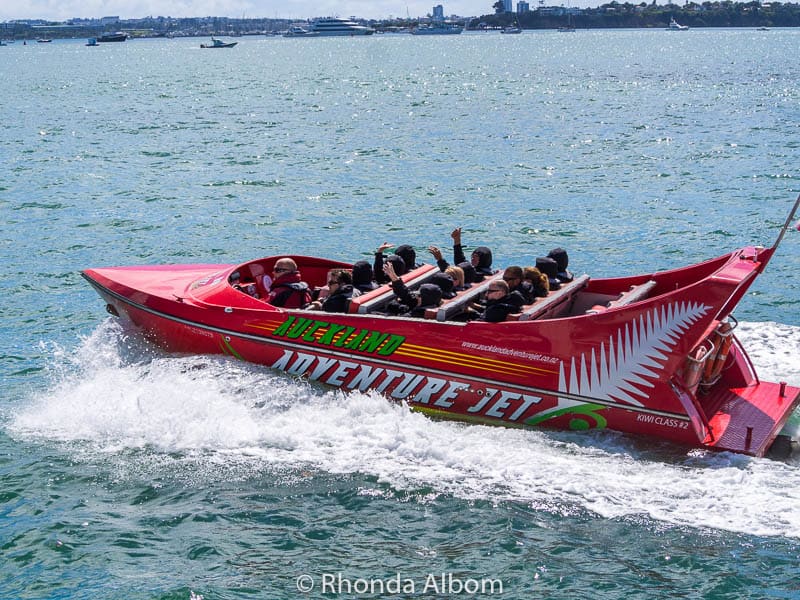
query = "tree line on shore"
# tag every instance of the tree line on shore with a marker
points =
(643, 15)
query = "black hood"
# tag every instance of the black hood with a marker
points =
(549, 267)
(430, 294)
(362, 275)
(398, 263)
(470, 274)
(484, 265)
(562, 261)
(560, 256)
(408, 254)
(445, 283)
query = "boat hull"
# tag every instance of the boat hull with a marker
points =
(623, 368)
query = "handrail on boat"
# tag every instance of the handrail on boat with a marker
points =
(788, 222)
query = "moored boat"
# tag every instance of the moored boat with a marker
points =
(300, 31)
(333, 26)
(675, 26)
(653, 354)
(438, 28)
(215, 43)
(116, 36)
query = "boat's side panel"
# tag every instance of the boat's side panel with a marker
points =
(428, 364)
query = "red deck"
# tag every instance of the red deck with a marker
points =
(748, 418)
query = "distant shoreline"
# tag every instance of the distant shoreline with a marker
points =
(616, 16)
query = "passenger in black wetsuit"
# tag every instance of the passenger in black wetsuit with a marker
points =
(517, 284)
(562, 262)
(499, 303)
(481, 258)
(468, 273)
(403, 261)
(340, 284)
(445, 283)
(408, 303)
(363, 280)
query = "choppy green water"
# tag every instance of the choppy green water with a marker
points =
(129, 473)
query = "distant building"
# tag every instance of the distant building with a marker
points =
(438, 13)
(523, 7)
(508, 6)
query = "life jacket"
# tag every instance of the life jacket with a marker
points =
(289, 293)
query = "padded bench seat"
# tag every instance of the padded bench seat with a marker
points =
(547, 304)
(636, 293)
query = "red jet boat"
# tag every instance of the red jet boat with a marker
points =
(653, 355)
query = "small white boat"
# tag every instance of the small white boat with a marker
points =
(215, 43)
(675, 26)
(300, 31)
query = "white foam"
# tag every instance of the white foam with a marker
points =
(109, 396)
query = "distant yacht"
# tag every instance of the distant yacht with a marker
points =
(332, 26)
(117, 36)
(674, 26)
(299, 31)
(440, 28)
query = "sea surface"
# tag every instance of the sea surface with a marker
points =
(126, 472)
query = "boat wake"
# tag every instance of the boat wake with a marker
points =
(114, 398)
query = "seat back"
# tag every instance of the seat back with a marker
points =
(549, 304)
(636, 293)
(457, 305)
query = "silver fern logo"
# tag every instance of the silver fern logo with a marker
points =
(623, 368)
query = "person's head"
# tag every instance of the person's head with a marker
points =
(362, 273)
(560, 256)
(430, 294)
(408, 254)
(445, 283)
(481, 258)
(512, 276)
(284, 266)
(337, 278)
(496, 290)
(397, 263)
(549, 268)
(457, 275)
(536, 277)
(470, 274)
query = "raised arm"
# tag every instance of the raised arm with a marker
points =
(458, 252)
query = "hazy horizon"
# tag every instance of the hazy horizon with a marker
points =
(62, 10)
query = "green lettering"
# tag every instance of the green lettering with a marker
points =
(392, 344)
(308, 336)
(356, 341)
(340, 342)
(333, 329)
(283, 327)
(298, 328)
(373, 341)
